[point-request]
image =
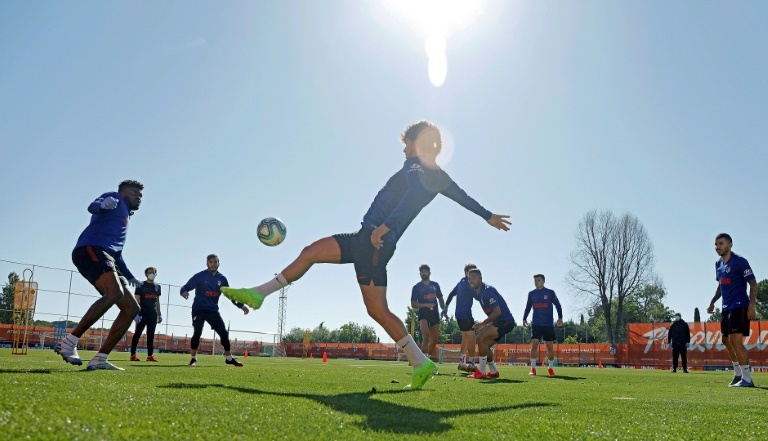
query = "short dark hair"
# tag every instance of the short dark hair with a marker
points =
(130, 183)
(540, 276)
(725, 236)
(146, 271)
(424, 267)
(412, 132)
(211, 256)
(469, 266)
(475, 271)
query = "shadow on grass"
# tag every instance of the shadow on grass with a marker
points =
(566, 378)
(25, 371)
(378, 415)
(499, 381)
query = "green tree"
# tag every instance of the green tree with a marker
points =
(450, 332)
(367, 335)
(412, 317)
(6, 299)
(696, 315)
(761, 306)
(295, 335)
(321, 334)
(716, 317)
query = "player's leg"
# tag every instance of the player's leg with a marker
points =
(550, 353)
(485, 339)
(135, 340)
(675, 354)
(325, 250)
(151, 325)
(725, 330)
(742, 356)
(684, 358)
(534, 352)
(425, 336)
(217, 324)
(434, 332)
(128, 310)
(198, 321)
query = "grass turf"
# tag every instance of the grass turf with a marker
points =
(278, 398)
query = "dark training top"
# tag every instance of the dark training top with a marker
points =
(207, 288)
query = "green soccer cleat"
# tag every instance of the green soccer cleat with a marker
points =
(422, 374)
(244, 295)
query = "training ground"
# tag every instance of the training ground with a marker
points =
(286, 398)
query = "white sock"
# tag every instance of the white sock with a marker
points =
(736, 369)
(492, 367)
(483, 361)
(472, 360)
(194, 357)
(533, 363)
(551, 363)
(463, 358)
(745, 374)
(273, 285)
(229, 358)
(412, 351)
(72, 339)
(99, 358)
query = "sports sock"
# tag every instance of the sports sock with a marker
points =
(483, 361)
(533, 363)
(194, 357)
(229, 358)
(99, 358)
(745, 374)
(412, 351)
(492, 367)
(71, 339)
(463, 358)
(550, 363)
(736, 369)
(273, 285)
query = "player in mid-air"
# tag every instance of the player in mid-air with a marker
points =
(499, 323)
(98, 255)
(465, 297)
(148, 297)
(396, 205)
(541, 300)
(425, 296)
(733, 274)
(205, 308)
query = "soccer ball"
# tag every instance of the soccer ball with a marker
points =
(271, 231)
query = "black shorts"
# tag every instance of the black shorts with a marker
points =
(466, 324)
(370, 263)
(546, 333)
(93, 261)
(503, 328)
(735, 321)
(430, 315)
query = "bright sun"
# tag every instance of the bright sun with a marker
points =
(437, 19)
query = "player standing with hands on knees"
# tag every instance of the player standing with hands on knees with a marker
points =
(543, 327)
(98, 255)
(733, 274)
(396, 205)
(147, 295)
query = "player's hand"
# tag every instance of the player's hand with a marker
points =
(711, 308)
(751, 311)
(444, 314)
(525, 323)
(560, 323)
(135, 282)
(478, 326)
(159, 319)
(245, 310)
(185, 295)
(431, 307)
(108, 203)
(137, 318)
(376, 236)
(499, 221)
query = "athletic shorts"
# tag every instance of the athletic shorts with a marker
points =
(93, 261)
(546, 333)
(735, 321)
(503, 328)
(370, 263)
(430, 315)
(466, 324)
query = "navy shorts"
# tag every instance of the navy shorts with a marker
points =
(466, 324)
(370, 263)
(503, 328)
(735, 321)
(546, 333)
(430, 315)
(93, 261)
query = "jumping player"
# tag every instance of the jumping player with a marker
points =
(543, 327)
(205, 308)
(499, 323)
(150, 316)
(733, 274)
(465, 297)
(396, 205)
(98, 255)
(425, 296)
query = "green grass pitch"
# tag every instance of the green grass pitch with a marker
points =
(277, 398)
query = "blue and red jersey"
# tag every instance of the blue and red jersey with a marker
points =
(490, 299)
(408, 191)
(542, 300)
(108, 229)
(733, 277)
(426, 293)
(207, 286)
(465, 296)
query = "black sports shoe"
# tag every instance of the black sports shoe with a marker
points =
(233, 362)
(193, 362)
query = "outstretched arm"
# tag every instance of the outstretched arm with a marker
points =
(456, 194)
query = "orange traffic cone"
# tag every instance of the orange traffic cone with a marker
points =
(246, 354)
(600, 364)
(325, 357)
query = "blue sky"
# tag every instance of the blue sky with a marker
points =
(229, 112)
